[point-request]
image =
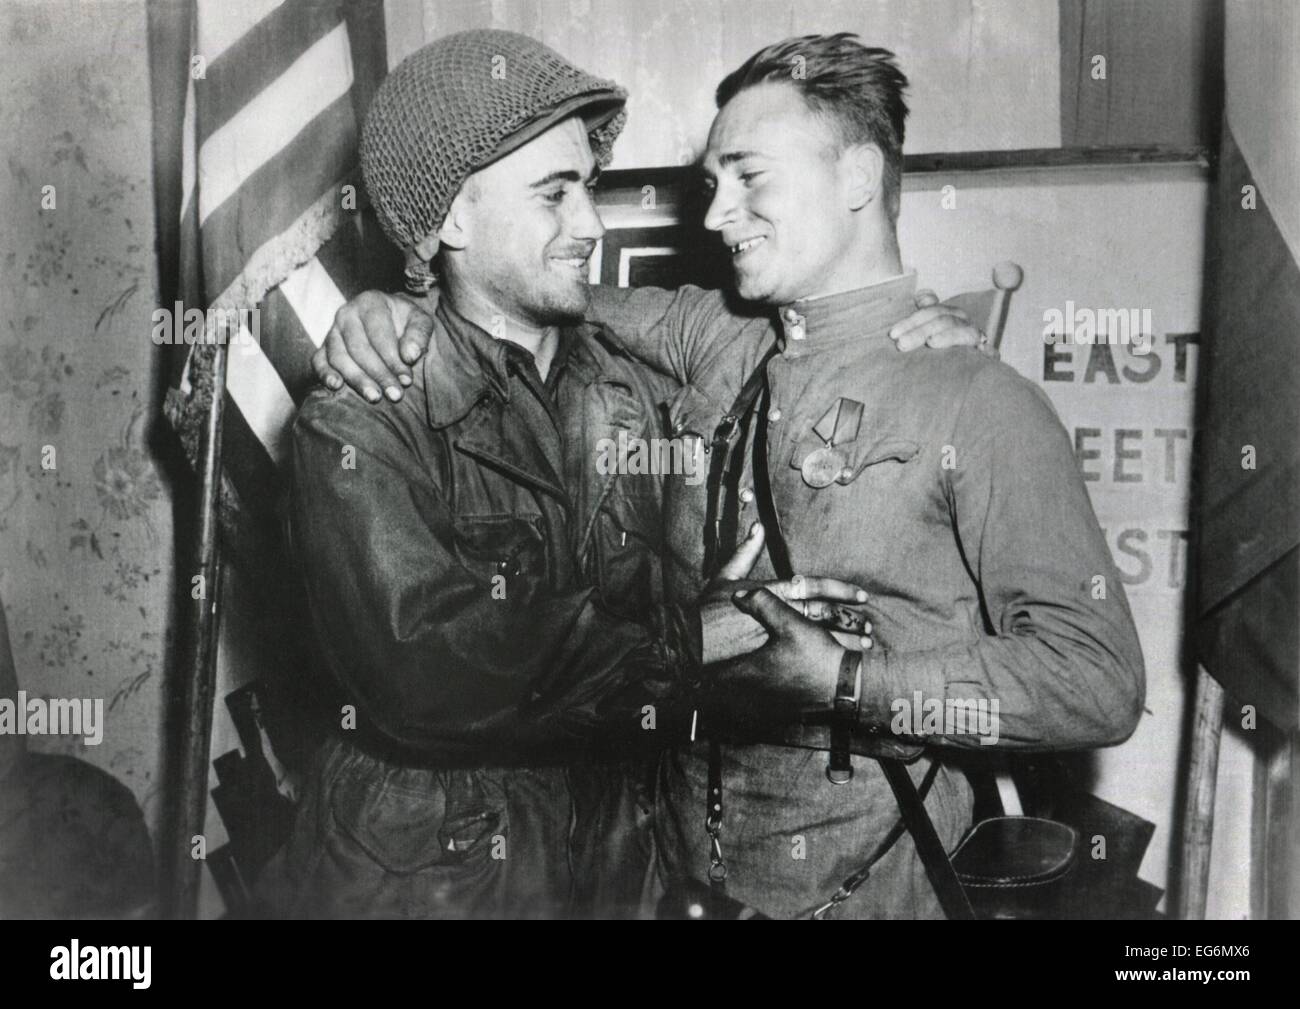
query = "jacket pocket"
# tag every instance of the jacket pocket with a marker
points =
(507, 545)
(408, 820)
(627, 541)
(635, 506)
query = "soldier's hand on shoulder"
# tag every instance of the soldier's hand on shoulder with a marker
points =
(937, 326)
(363, 349)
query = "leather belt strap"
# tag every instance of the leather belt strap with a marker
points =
(720, 526)
(851, 883)
(721, 516)
(938, 866)
(777, 550)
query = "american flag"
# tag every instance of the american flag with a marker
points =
(271, 210)
(257, 112)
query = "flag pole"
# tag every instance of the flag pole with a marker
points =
(1198, 814)
(199, 667)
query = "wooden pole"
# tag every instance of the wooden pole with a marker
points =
(1007, 277)
(198, 689)
(1202, 779)
(1274, 843)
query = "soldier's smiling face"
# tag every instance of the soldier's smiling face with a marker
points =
(528, 226)
(778, 195)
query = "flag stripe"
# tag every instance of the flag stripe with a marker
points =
(246, 464)
(262, 397)
(259, 58)
(275, 196)
(299, 313)
(189, 153)
(287, 345)
(254, 135)
(223, 22)
(314, 297)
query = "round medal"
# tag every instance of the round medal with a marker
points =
(822, 467)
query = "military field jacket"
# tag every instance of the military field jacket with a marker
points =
(481, 589)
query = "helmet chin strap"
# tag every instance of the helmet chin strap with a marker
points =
(420, 276)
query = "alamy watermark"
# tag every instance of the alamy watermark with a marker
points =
(59, 716)
(946, 716)
(75, 962)
(634, 456)
(1087, 326)
(238, 327)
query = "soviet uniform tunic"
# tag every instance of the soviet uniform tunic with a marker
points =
(958, 507)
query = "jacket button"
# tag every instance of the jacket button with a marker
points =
(773, 415)
(747, 495)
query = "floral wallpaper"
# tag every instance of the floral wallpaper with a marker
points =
(85, 519)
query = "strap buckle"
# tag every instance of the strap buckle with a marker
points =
(837, 898)
(717, 864)
(713, 817)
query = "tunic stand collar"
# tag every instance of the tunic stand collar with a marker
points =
(814, 322)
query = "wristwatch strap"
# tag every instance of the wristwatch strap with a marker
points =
(848, 696)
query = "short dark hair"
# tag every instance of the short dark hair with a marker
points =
(857, 88)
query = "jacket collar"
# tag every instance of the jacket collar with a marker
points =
(463, 363)
(815, 322)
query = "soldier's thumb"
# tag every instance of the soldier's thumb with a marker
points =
(416, 335)
(764, 607)
(740, 563)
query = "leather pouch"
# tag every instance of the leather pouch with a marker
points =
(1017, 866)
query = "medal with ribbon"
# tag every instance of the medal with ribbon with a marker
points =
(839, 425)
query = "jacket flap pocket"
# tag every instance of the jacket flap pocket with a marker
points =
(509, 545)
(395, 824)
(408, 819)
(636, 505)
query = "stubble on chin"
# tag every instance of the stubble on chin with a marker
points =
(572, 307)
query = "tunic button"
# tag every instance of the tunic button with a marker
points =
(747, 495)
(846, 474)
(773, 415)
